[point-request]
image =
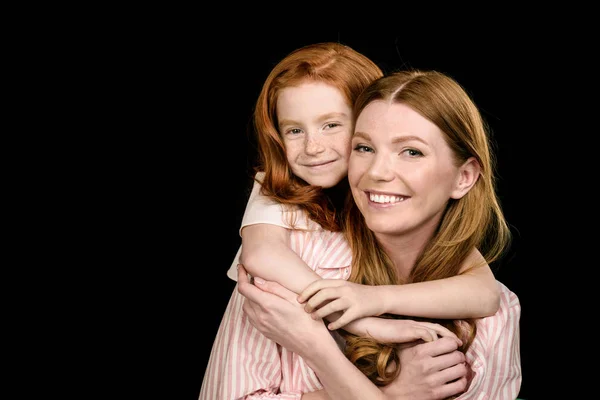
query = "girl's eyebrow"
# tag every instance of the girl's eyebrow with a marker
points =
(333, 115)
(323, 117)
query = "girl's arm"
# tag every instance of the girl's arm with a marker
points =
(437, 367)
(473, 294)
(265, 250)
(266, 254)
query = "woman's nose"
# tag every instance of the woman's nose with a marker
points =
(381, 169)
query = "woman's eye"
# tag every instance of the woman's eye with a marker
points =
(361, 148)
(295, 131)
(413, 152)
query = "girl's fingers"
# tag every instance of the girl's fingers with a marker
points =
(317, 286)
(326, 309)
(441, 330)
(310, 290)
(343, 320)
(319, 299)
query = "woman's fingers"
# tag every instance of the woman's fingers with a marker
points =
(449, 360)
(427, 334)
(439, 347)
(441, 330)
(453, 388)
(276, 289)
(245, 288)
(249, 290)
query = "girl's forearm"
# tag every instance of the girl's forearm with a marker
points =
(462, 296)
(266, 254)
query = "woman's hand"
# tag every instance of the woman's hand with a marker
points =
(276, 313)
(430, 371)
(427, 367)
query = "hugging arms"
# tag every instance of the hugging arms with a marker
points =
(404, 187)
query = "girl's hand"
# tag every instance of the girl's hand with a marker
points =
(387, 330)
(327, 296)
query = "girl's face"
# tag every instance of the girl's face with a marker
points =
(402, 172)
(315, 123)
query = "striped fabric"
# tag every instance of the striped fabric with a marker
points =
(243, 363)
(495, 354)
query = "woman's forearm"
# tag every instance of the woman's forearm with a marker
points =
(340, 378)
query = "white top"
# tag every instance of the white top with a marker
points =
(264, 210)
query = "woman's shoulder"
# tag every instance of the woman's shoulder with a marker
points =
(508, 314)
(508, 298)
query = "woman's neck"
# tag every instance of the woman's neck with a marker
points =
(404, 249)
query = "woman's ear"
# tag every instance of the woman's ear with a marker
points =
(468, 173)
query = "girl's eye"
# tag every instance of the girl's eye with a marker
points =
(361, 148)
(332, 125)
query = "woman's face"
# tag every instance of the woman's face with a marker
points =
(315, 123)
(401, 170)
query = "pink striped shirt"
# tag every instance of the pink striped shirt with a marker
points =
(244, 364)
(495, 355)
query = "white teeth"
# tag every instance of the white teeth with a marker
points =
(381, 198)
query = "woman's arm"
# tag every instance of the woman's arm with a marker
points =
(243, 364)
(274, 311)
(270, 313)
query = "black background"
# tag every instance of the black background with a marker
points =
(197, 96)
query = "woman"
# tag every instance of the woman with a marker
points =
(422, 180)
